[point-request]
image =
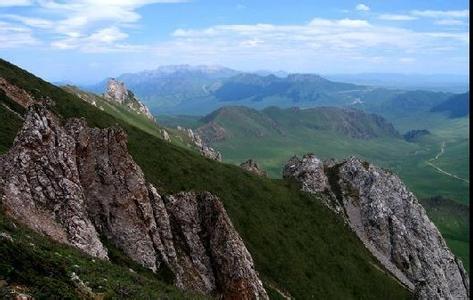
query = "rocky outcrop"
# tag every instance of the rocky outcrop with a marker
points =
(40, 184)
(253, 167)
(389, 220)
(19, 95)
(117, 92)
(165, 135)
(203, 148)
(76, 184)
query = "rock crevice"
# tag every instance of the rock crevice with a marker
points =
(76, 184)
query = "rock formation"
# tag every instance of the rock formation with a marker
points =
(389, 220)
(117, 92)
(253, 167)
(20, 96)
(203, 148)
(77, 184)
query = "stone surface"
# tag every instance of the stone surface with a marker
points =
(202, 147)
(390, 221)
(116, 91)
(40, 184)
(75, 183)
(20, 96)
(253, 167)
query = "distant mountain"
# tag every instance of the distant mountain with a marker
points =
(401, 103)
(435, 82)
(456, 106)
(199, 90)
(295, 87)
(237, 122)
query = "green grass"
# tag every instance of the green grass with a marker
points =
(453, 221)
(250, 135)
(45, 268)
(296, 242)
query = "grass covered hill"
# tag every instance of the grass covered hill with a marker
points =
(298, 245)
(272, 135)
(456, 106)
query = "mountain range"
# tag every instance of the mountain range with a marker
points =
(198, 90)
(97, 202)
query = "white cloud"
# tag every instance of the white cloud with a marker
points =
(362, 7)
(449, 22)
(12, 36)
(8, 3)
(31, 22)
(320, 40)
(441, 13)
(77, 24)
(396, 17)
(406, 60)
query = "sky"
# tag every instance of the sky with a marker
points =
(85, 41)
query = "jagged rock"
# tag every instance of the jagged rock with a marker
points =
(253, 167)
(203, 148)
(220, 258)
(309, 171)
(391, 223)
(117, 92)
(165, 135)
(19, 95)
(75, 183)
(40, 184)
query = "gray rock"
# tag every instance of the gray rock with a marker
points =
(117, 92)
(75, 183)
(202, 147)
(40, 184)
(253, 167)
(390, 222)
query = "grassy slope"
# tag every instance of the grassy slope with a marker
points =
(134, 119)
(44, 268)
(250, 137)
(297, 243)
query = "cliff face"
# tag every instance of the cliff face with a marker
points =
(76, 184)
(389, 220)
(117, 92)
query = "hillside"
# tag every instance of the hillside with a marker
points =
(271, 215)
(242, 122)
(271, 136)
(456, 106)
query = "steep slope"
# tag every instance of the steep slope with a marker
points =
(271, 216)
(389, 220)
(456, 106)
(75, 184)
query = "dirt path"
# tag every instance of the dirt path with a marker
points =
(442, 151)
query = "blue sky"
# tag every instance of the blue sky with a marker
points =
(87, 40)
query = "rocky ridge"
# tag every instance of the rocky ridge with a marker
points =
(252, 166)
(116, 91)
(390, 222)
(76, 184)
(203, 148)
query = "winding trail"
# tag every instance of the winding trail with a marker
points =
(442, 151)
